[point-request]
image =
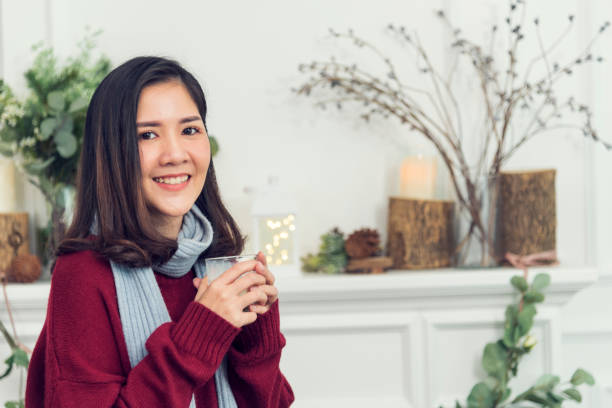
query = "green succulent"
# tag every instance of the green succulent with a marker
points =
(332, 257)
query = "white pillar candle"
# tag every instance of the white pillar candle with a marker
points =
(418, 177)
(7, 186)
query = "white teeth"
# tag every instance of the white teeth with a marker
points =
(171, 180)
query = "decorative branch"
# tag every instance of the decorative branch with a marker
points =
(434, 112)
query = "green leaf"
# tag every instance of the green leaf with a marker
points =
(9, 134)
(573, 394)
(14, 404)
(37, 166)
(6, 149)
(541, 281)
(494, 360)
(555, 398)
(78, 104)
(21, 358)
(9, 362)
(525, 319)
(519, 283)
(547, 382)
(67, 124)
(505, 395)
(457, 404)
(510, 325)
(582, 377)
(47, 127)
(214, 146)
(538, 397)
(481, 396)
(66, 143)
(56, 100)
(533, 296)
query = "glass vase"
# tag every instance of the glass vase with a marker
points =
(476, 226)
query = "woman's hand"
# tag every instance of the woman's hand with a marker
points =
(225, 296)
(268, 288)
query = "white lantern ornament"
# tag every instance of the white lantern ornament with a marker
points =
(274, 215)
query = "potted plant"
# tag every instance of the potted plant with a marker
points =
(43, 133)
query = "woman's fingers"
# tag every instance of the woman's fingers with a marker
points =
(236, 271)
(201, 285)
(252, 297)
(247, 281)
(264, 271)
(261, 258)
(259, 309)
(270, 291)
(271, 295)
(239, 296)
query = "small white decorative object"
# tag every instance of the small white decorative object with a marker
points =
(418, 177)
(8, 198)
(274, 215)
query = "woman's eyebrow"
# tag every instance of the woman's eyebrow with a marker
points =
(157, 124)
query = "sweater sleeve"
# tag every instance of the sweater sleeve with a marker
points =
(254, 364)
(80, 358)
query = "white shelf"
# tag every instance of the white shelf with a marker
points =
(432, 288)
(427, 288)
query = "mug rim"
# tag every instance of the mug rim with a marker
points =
(249, 256)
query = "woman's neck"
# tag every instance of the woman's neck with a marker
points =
(168, 227)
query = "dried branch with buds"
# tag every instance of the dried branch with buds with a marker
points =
(436, 113)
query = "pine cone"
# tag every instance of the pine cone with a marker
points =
(362, 243)
(24, 269)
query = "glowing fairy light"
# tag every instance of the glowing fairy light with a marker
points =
(274, 218)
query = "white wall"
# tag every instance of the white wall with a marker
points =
(340, 169)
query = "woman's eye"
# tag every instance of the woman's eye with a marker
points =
(191, 131)
(147, 135)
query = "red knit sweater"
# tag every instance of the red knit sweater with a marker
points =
(81, 360)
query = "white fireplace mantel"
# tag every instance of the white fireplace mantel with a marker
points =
(423, 290)
(399, 339)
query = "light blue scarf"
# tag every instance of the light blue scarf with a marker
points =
(141, 305)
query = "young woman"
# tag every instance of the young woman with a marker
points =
(132, 320)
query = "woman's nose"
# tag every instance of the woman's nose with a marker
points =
(174, 151)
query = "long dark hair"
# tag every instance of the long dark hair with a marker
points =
(109, 185)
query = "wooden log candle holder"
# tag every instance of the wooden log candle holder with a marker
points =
(13, 237)
(527, 212)
(420, 233)
(374, 265)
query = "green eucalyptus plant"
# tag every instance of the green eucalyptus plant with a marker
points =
(43, 133)
(501, 359)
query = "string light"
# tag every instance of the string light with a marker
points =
(276, 236)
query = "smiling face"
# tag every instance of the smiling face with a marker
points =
(174, 153)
